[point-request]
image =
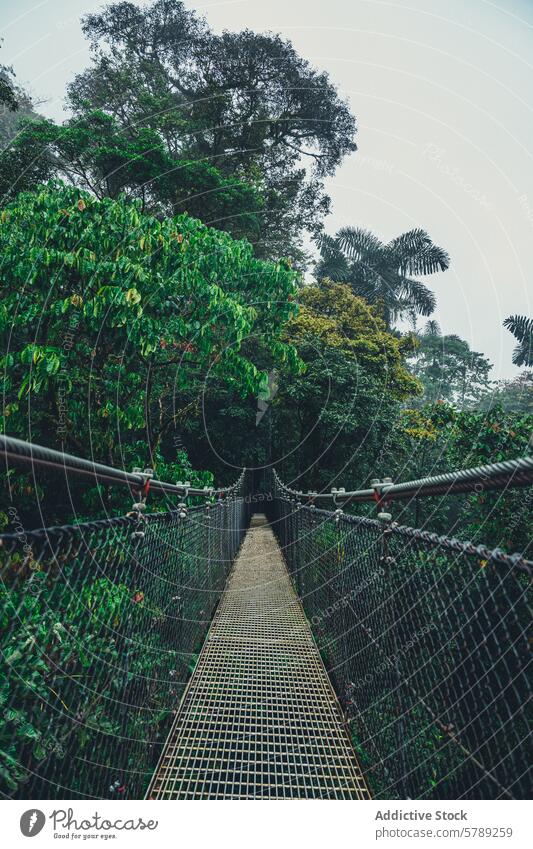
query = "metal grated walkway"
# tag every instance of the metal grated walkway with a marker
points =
(259, 718)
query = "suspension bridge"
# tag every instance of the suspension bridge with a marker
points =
(262, 643)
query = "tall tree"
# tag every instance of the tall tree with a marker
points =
(246, 103)
(20, 168)
(330, 422)
(522, 329)
(382, 273)
(15, 106)
(96, 153)
(8, 93)
(8, 96)
(514, 395)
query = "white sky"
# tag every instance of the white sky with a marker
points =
(442, 93)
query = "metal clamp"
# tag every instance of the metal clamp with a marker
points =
(186, 487)
(380, 491)
(138, 507)
(338, 493)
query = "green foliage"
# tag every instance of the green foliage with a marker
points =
(349, 599)
(522, 329)
(8, 92)
(331, 313)
(332, 418)
(329, 417)
(246, 103)
(55, 639)
(124, 326)
(448, 369)
(514, 395)
(120, 314)
(440, 438)
(96, 153)
(16, 107)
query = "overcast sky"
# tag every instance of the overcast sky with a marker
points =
(442, 94)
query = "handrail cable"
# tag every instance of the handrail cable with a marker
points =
(22, 452)
(478, 479)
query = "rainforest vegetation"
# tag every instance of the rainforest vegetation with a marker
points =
(154, 280)
(157, 280)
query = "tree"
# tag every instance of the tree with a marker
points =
(16, 106)
(111, 320)
(522, 329)
(21, 169)
(330, 422)
(514, 395)
(438, 438)
(245, 103)
(8, 93)
(383, 273)
(8, 96)
(448, 369)
(95, 153)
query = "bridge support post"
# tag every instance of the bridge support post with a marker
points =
(388, 563)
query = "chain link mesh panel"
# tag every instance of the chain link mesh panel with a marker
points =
(425, 639)
(102, 624)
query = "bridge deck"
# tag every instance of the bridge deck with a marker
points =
(259, 718)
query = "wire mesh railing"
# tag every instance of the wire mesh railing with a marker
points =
(424, 637)
(102, 624)
(426, 641)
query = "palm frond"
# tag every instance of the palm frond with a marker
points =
(522, 329)
(414, 253)
(432, 328)
(417, 294)
(520, 326)
(327, 245)
(410, 243)
(428, 261)
(358, 244)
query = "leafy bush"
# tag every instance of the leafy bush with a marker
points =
(111, 320)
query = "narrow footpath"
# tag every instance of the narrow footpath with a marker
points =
(259, 718)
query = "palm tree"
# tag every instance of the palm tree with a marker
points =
(432, 329)
(382, 273)
(522, 329)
